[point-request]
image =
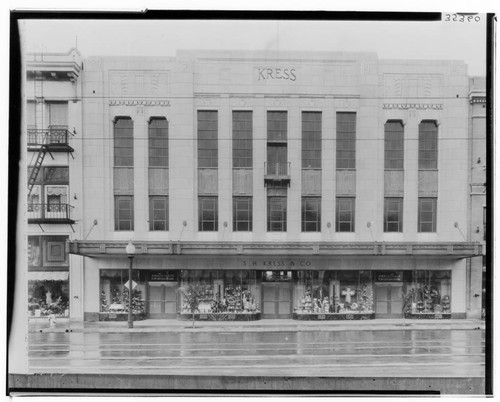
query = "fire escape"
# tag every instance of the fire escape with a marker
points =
(43, 141)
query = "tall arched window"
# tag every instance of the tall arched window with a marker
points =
(394, 145)
(427, 145)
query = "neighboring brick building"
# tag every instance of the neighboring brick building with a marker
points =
(291, 185)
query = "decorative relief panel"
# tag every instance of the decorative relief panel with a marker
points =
(241, 102)
(139, 83)
(123, 182)
(242, 182)
(413, 86)
(369, 68)
(208, 181)
(158, 181)
(394, 183)
(427, 183)
(346, 182)
(311, 182)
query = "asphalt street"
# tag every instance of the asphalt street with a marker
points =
(366, 353)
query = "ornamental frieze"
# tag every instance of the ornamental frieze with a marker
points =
(404, 106)
(138, 102)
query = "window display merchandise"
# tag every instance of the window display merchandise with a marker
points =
(429, 295)
(114, 299)
(223, 295)
(48, 298)
(334, 295)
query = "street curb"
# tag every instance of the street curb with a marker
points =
(177, 329)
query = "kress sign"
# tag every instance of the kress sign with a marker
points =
(276, 74)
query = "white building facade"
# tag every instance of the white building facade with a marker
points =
(312, 186)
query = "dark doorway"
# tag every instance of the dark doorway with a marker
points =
(277, 300)
(162, 300)
(388, 300)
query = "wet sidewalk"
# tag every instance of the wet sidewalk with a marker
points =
(267, 325)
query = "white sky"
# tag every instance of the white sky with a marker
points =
(390, 40)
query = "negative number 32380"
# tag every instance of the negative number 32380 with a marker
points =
(462, 18)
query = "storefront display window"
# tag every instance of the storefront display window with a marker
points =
(114, 291)
(335, 292)
(429, 293)
(231, 291)
(47, 297)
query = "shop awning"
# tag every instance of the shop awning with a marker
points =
(99, 248)
(48, 276)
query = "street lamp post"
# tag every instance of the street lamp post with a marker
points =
(130, 249)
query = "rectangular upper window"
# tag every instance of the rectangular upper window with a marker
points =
(124, 142)
(242, 214)
(158, 142)
(207, 139)
(277, 126)
(124, 212)
(346, 140)
(208, 214)
(58, 114)
(344, 219)
(311, 140)
(427, 145)
(311, 214)
(158, 213)
(393, 215)
(276, 214)
(394, 145)
(427, 214)
(242, 139)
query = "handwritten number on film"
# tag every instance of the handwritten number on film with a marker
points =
(461, 18)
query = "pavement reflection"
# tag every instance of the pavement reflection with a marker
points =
(408, 353)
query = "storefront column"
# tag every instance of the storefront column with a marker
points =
(476, 287)
(459, 289)
(91, 296)
(76, 288)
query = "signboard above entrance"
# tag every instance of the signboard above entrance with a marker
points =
(277, 276)
(388, 276)
(162, 276)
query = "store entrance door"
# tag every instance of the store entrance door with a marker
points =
(162, 300)
(277, 300)
(388, 300)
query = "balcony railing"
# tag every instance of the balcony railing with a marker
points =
(277, 171)
(277, 168)
(49, 213)
(56, 137)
